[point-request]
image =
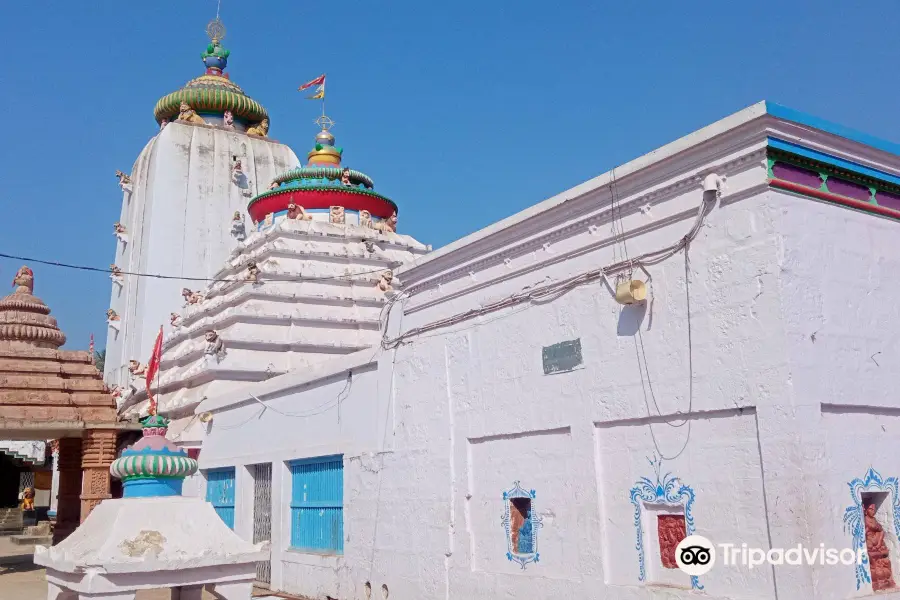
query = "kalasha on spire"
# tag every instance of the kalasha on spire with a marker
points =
(213, 93)
(324, 183)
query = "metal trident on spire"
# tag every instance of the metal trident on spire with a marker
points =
(215, 29)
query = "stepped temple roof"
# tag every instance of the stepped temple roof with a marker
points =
(44, 389)
(212, 92)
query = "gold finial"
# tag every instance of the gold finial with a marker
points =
(324, 122)
(215, 30)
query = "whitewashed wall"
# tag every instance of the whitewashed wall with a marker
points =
(789, 304)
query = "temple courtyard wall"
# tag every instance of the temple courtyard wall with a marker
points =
(561, 446)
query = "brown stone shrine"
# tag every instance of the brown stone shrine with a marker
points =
(52, 394)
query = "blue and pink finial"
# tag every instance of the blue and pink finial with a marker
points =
(153, 466)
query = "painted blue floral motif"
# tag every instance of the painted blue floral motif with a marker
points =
(854, 521)
(526, 547)
(663, 489)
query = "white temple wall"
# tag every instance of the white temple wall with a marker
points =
(776, 401)
(840, 323)
(178, 221)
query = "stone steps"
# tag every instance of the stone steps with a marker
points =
(31, 540)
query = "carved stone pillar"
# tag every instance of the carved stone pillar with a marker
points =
(68, 503)
(99, 450)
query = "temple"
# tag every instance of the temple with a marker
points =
(212, 154)
(699, 342)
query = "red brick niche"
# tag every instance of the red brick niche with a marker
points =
(671, 530)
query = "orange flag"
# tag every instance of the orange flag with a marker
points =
(153, 368)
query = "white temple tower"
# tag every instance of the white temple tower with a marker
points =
(210, 156)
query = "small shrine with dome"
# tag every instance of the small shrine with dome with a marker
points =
(152, 537)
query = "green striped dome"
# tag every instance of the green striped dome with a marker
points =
(211, 94)
(140, 465)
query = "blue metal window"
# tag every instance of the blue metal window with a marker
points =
(317, 504)
(220, 492)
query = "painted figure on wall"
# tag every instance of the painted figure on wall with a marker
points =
(668, 490)
(525, 543)
(521, 525)
(879, 555)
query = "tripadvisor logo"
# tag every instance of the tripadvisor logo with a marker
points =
(695, 555)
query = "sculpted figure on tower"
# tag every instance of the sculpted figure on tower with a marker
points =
(187, 114)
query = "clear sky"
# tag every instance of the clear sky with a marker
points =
(463, 112)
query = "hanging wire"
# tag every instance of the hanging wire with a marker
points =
(55, 263)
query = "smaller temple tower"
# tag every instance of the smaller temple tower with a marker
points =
(307, 284)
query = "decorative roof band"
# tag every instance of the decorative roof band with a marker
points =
(828, 182)
(334, 173)
(321, 188)
(210, 100)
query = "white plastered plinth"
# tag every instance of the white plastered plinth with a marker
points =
(133, 544)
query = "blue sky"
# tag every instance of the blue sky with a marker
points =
(463, 112)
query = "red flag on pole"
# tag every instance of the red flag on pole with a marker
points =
(153, 368)
(317, 81)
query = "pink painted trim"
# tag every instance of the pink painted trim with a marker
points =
(807, 191)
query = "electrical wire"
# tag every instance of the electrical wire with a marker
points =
(553, 290)
(54, 263)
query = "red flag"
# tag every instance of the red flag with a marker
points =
(153, 367)
(317, 81)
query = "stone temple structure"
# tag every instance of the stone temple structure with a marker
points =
(48, 393)
(211, 155)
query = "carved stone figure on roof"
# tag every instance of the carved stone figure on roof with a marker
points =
(112, 315)
(24, 280)
(187, 114)
(215, 345)
(175, 319)
(388, 225)
(137, 369)
(120, 232)
(261, 129)
(124, 181)
(365, 219)
(191, 297)
(345, 177)
(237, 173)
(228, 120)
(238, 229)
(252, 272)
(115, 273)
(163, 123)
(296, 212)
(337, 215)
(273, 185)
(116, 392)
(384, 284)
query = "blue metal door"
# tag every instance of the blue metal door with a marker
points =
(220, 493)
(317, 505)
